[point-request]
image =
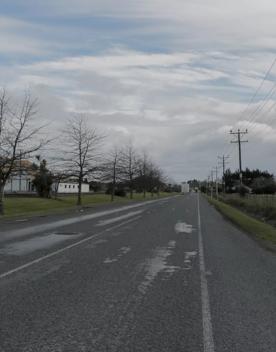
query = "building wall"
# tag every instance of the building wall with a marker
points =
(185, 187)
(69, 187)
(14, 184)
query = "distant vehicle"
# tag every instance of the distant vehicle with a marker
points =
(185, 187)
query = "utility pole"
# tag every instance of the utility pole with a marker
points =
(212, 180)
(216, 171)
(223, 162)
(239, 134)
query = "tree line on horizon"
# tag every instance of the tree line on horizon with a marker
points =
(258, 181)
(255, 181)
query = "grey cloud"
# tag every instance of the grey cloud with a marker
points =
(180, 102)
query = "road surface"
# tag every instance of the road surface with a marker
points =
(170, 275)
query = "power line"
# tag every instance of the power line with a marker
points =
(255, 124)
(253, 116)
(270, 94)
(260, 86)
(260, 107)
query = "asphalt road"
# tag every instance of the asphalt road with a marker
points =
(171, 275)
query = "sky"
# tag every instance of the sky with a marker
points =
(174, 77)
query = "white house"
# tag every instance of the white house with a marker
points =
(21, 178)
(70, 187)
(19, 183)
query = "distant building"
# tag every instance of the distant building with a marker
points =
(69, 186)
(185, 187)
(19, 183)
(21, 178)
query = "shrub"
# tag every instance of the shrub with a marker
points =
(120, 193)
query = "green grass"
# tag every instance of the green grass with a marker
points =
(260, 206)
(260, 230)
(24, 206)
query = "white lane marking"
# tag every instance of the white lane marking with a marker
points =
(47, 256)
(118, 218)
(7, 235)
(208, 339)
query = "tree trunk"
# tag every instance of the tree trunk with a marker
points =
(144, 179)
(1, 199)
(113, 183)
(56, 190)
(144, 183)
(79, 191)
(112, 191)
(131, 187)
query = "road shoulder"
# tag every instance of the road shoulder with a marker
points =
(261, 232)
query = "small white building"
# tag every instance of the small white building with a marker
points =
(185, 187)
(21, 178)
(19, 183)
(70, 187)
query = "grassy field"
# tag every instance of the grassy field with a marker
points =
(260, 230)
(260, 206)
(23, 206)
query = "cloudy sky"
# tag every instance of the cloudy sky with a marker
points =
(173, 76)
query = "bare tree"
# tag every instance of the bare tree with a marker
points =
(154, 177)
(58, 176)
(18, 136)
(112, 169)
(129, 166)
(144, 164)
(150, 177)
(82, 150)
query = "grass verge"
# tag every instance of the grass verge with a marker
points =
(259, 230)
(24, 206)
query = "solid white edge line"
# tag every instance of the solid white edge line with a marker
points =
(208, 339)
(52, 254)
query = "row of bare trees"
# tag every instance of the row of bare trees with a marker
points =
(78, 154)
(125, 166)
(121, 167)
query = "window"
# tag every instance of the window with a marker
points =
(65, 186)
